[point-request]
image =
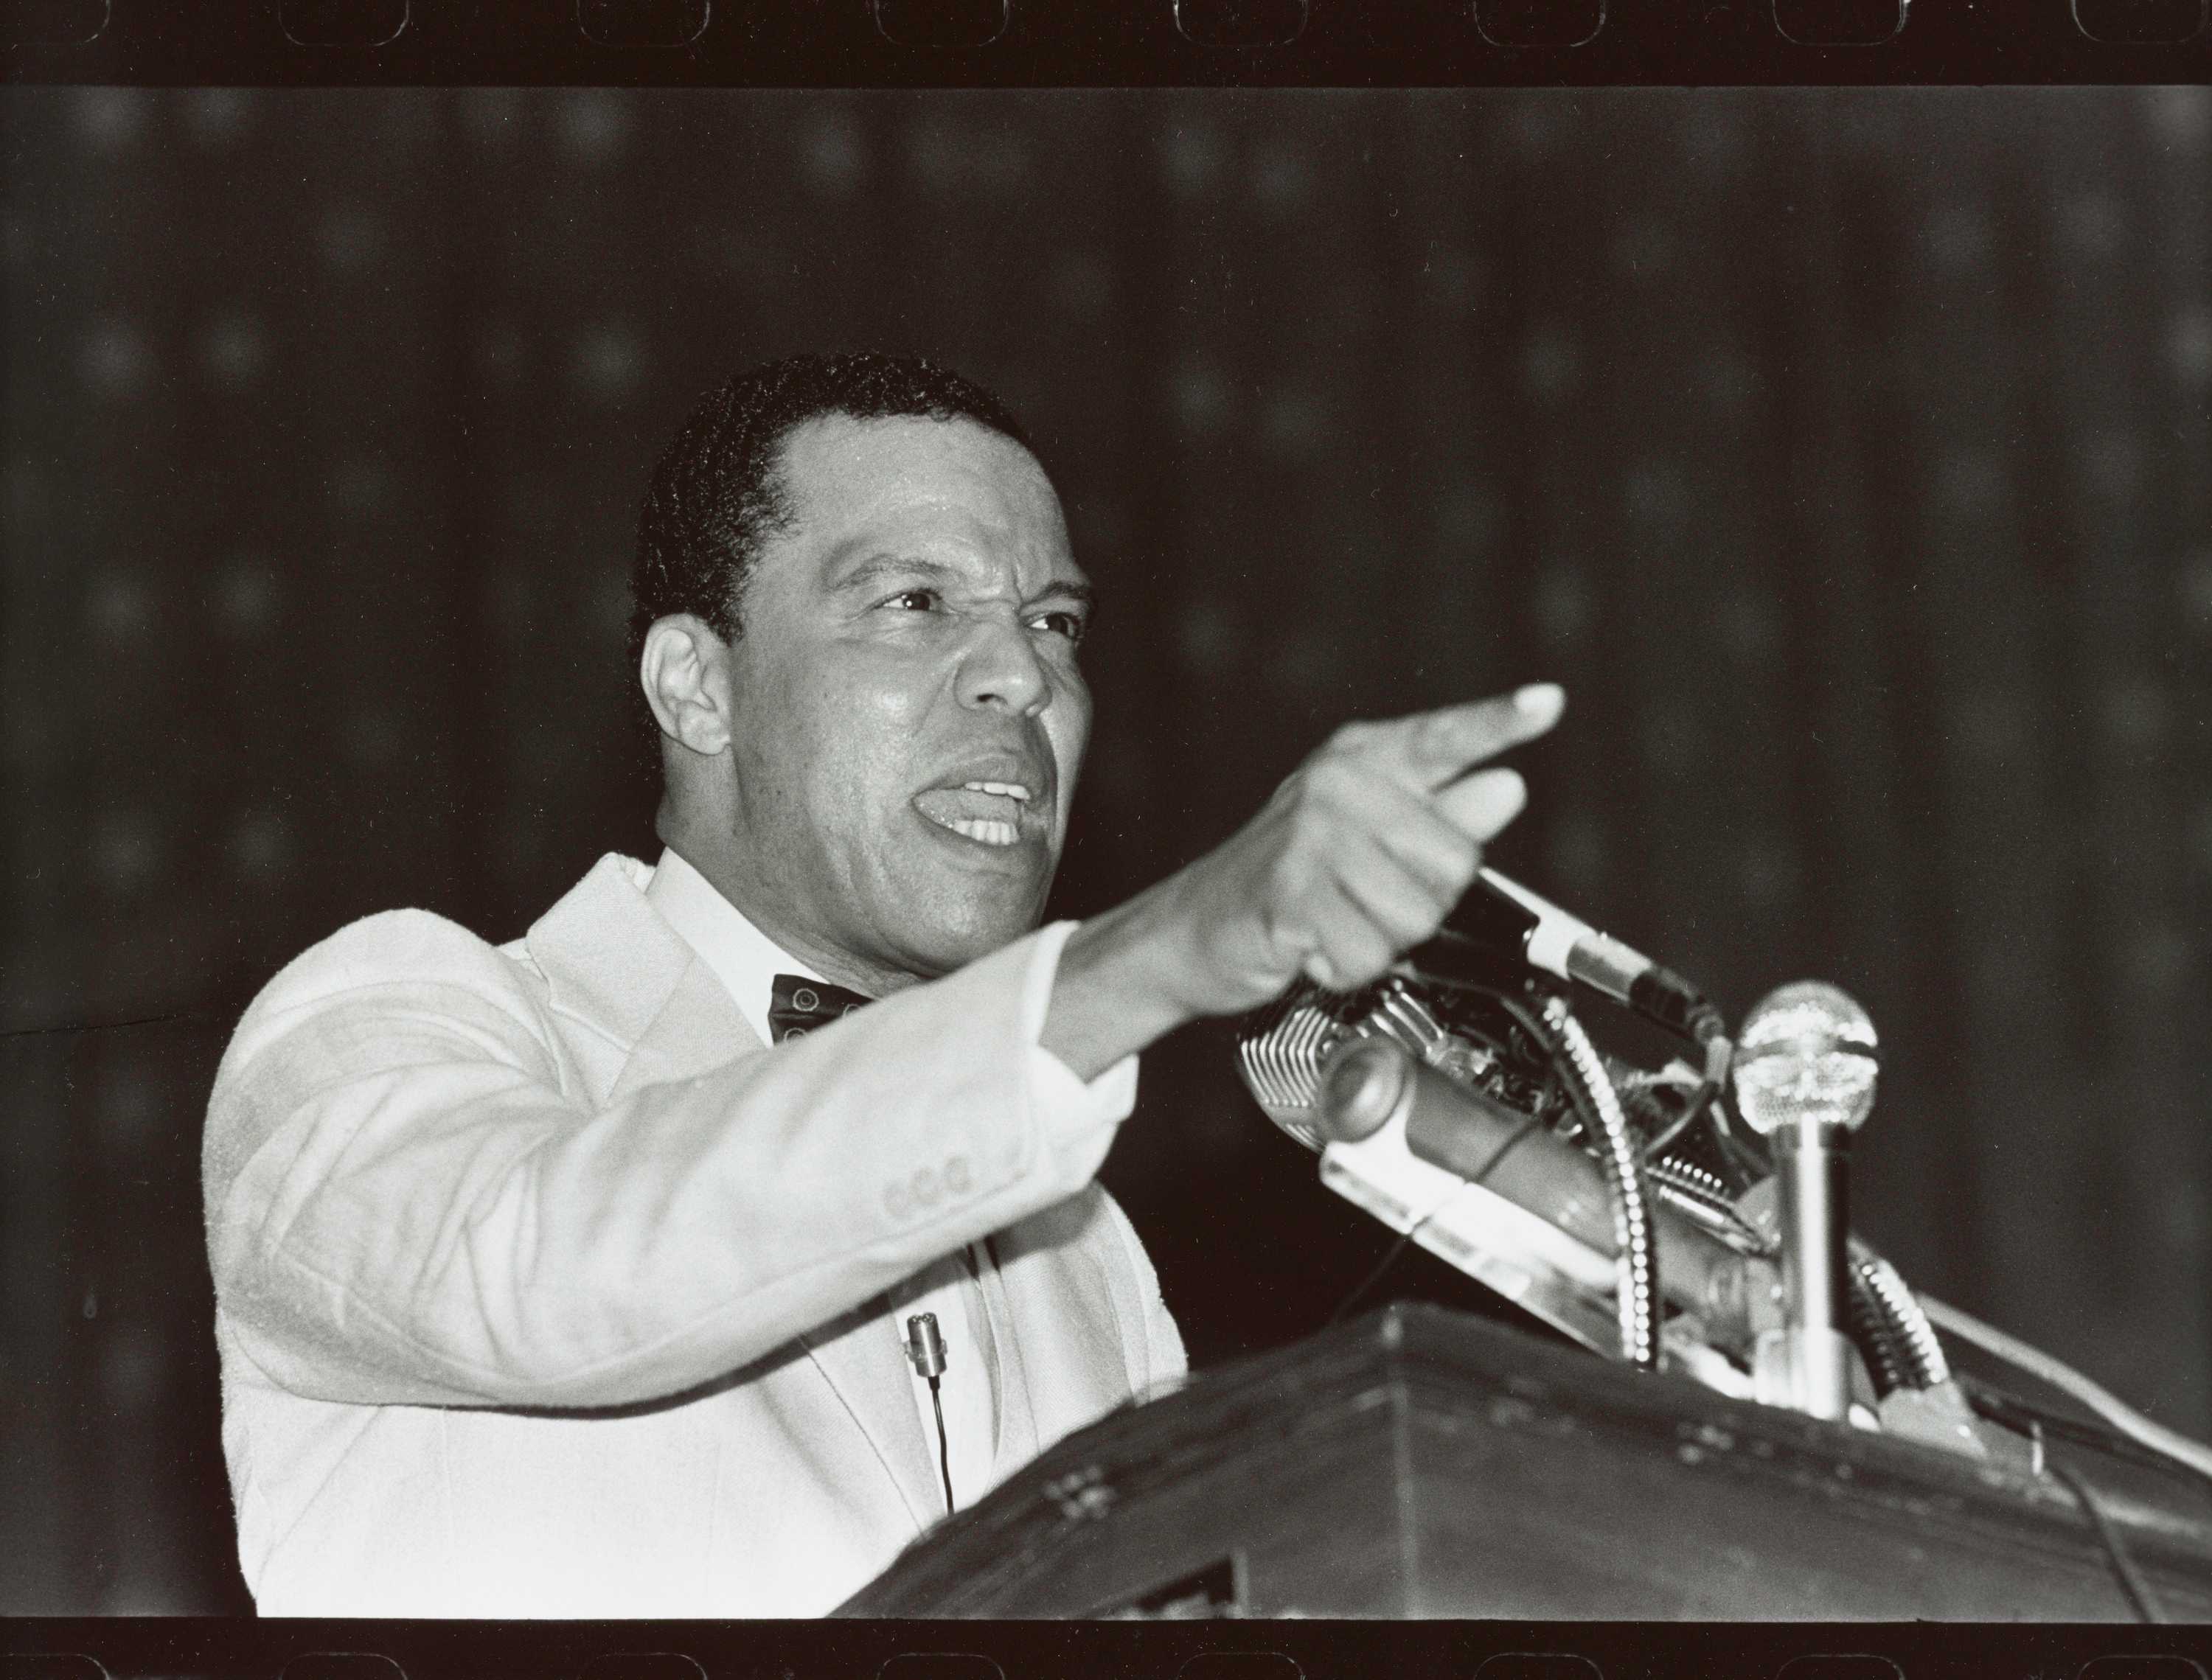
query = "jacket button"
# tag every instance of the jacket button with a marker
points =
(804, 998)
(925, 1187)
(958, 1179)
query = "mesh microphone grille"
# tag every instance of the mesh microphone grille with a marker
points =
(1807, 1052)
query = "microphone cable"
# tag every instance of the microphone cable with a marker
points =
(1396, 1248)
(2133, 1586)
(2170, 1446)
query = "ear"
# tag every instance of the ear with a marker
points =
(685, 673)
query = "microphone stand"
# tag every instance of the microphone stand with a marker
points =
(1807, 1364)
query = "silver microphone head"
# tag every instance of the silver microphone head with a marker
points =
(1279, 1052)
(1283, 1049)
(1807, 1052)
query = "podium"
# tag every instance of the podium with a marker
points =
(1424, 1463)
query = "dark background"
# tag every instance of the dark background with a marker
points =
(1848, 455)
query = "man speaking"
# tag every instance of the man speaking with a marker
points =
(546, 1287)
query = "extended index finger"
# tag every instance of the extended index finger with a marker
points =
(1430, 750)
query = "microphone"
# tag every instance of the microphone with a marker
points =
(924, 1346)
(925, 1351)
(1368, 1084)
(1503, 915)
(1805, 1070)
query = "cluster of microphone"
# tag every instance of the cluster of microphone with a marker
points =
(1803, 1069)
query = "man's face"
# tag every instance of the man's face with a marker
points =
(908, 717)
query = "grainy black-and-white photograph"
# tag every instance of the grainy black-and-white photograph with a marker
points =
(1075, 854)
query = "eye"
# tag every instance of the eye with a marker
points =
(1063, 623)
(914, 600)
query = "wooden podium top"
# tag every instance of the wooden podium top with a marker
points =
(1423, 1463)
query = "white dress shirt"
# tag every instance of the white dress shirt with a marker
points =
(746, 962)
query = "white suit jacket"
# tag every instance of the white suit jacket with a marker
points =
(544, 1289)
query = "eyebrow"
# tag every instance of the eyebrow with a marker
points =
(1083, 595)
(881, 568)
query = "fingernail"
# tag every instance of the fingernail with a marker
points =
(1540, 700)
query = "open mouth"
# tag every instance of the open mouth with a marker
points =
(990, 813)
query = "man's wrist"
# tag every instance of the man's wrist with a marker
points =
(1118, 987)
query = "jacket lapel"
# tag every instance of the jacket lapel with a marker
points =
(861, 1358)
(608, 959)
(1018, 1426)
(1064, 1348)
(697, 1030)
(611, 960)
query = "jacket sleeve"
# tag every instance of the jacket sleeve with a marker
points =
(407, 1204)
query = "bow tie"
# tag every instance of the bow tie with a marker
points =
(798, 1006)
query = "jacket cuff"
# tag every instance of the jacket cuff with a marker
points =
(1076, 1120)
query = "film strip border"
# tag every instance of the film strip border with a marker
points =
(987, 1651)
(1108, 43)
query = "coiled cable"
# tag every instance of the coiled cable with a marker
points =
(1909, 1349)
(1636, 1292)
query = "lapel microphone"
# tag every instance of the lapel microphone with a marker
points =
(924, 1347)
(925, 1351)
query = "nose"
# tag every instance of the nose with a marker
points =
(999, 669)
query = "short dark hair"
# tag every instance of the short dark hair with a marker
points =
(717, 493)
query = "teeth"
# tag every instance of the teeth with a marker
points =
(1011, 790)
(991, 833)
